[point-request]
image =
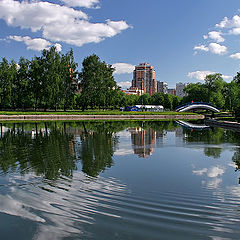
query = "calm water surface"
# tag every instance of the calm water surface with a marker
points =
(118, 180)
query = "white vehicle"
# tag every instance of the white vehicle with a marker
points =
(151, 108)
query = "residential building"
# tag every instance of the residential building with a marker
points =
(172, 91)
(180, 89)
(144, 78)
(162, 87)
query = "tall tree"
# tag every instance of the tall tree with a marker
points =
(96, 82)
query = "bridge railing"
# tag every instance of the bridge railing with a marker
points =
(194, 103)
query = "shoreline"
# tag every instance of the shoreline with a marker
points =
(223, 124)
(53, 117)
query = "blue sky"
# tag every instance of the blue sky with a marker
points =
(183, 39)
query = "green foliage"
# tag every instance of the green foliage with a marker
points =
(97, 83)
(47, 82)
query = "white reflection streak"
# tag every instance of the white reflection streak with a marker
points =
(60, 209)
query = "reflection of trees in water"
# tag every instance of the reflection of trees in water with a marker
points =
(236, 159)
(96, 150)
(48, 149)
(45, 154)
(216, 136)
(52, 149)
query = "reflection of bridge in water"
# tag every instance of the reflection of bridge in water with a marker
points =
(192, 125)
(197, 106)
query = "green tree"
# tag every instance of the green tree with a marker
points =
(157, 99)
(24, 96)
(97, 83)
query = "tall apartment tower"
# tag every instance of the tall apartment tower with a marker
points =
(144, 78)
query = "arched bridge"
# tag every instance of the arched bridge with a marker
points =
(195, 106)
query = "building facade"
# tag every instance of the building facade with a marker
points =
(180, 89)
(172, 91)
(162, 87)
(144, 78)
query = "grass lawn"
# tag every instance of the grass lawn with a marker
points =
(96, 112)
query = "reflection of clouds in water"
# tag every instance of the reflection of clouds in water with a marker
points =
(215, 171)
(61, 207)
(123, 152)
(211, 172)
(232, 164)
(219, 238)
(124, 146)
(14, 207)
(213, 183)
(234, 190)
(200, 172)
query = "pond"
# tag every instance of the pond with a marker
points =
(118, 180)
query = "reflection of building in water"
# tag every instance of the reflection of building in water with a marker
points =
(179, 132)
(143, 141)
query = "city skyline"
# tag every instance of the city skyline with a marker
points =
(183, 40)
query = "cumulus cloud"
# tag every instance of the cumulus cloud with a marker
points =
(213, 48)
(201, 48)
(235, 31)
(232, 24)
(201, 75)
(124, 85)
(217, 48)
(58, 23)
(37, 44)
(235, 56)
(121, 68)
(216, 36)
(82, 3)
(229, 23)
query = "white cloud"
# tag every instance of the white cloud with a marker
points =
(124, 85)
(201, 48)
(121, 68)
(217, 48)
(235, 55)
(216, 36)
(37, 44)
(201, 75)
(235, 31)
(58, 23)
(58, 47)
(227, 77)
(229, 23)
(81, 3)
(213, 48)
(205, 37)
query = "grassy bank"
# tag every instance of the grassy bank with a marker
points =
(92, 113)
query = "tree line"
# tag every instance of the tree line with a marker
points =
(52, 82)
(215, 90)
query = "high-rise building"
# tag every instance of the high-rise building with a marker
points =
(180, 89)
(162, 87)
(144, 78)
